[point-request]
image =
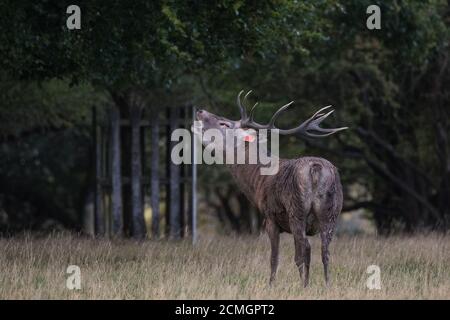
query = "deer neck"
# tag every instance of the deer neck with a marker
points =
(249, 178)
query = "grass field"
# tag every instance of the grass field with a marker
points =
(221, 268)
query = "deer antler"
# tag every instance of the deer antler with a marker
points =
(247, 121)
(311, 124)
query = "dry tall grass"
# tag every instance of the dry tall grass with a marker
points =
(221, 268)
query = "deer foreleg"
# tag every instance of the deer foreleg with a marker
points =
(273, 232)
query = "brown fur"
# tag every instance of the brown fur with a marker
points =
(304, 198)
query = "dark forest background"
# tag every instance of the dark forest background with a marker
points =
(390, 86)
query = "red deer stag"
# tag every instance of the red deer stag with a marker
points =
(303, 198)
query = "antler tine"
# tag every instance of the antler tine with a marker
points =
(276, 114)
(252, 111)
(248, 93)
(241, 107)
(318, 118)
(313, 124)
(247, 121)
(326, 132)
(318, 112)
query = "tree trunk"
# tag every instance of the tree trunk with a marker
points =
(167, 174)
(116, 174)
(98, 208)
(88, 214)
(155, 175)
(125, 138)
(138, 223)
(175, 227)
(182, 178)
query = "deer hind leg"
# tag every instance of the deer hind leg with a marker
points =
(307, 260)
(327, 222)
(327, 213)
(298, 229)
(273, 231)
(326, 236)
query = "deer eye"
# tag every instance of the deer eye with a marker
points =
(224, 124)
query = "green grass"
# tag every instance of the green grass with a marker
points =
(221, 268)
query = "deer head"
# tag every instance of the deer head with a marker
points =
(308, 128)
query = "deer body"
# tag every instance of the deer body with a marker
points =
(306, 184)
(303, 198)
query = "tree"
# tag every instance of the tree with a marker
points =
(390, 87)
(135, 49)
(44, 144)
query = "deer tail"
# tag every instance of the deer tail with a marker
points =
(315, 171)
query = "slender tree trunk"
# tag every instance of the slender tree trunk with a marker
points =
(98, 207)
(138, 223)
(155, 175)
(88, 210)
(125, 138)
(182, 176)
(167, 173)
(175, 227)
(181, 201)
(121, 101)
(116, 174)
(88, 214)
